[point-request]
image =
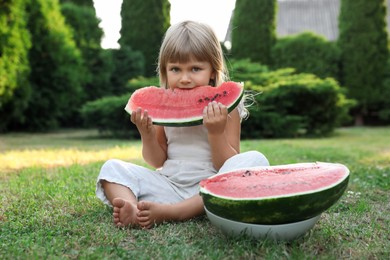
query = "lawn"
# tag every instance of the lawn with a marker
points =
(48, 209)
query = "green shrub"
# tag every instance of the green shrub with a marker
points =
(244, 70)
(307, 52)
(109, 117)
(298, 104)
(141, 82)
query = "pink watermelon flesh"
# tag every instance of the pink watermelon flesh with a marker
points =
(183, 106)
(276, 181)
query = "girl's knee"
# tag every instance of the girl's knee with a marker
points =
(256, 158)
(109, 164)
(244, 160)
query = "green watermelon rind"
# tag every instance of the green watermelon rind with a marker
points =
(275, 210)
(194, 120)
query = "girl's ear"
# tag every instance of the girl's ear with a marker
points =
(212, 79)
(212, 82)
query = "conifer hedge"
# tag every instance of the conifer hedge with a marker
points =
(363, 43)
(144, 23)
(253, 31)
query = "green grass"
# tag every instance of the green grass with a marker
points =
(48, 209)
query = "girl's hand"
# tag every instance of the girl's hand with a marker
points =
(215, 118)
(143, 122)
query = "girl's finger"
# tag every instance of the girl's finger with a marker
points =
(134, 116)
(212, 107)
(145, 117)
(223, 109)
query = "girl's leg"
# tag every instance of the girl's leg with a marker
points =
(124, 203)
(151, 213)
(122, 184)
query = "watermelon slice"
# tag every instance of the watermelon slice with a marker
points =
(183, 107)
(275, 194)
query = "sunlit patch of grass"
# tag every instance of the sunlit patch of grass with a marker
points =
(62, 148)
(18, 159)
(381, 159)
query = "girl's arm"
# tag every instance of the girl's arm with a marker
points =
(154, 143)
(223, 132)
(154, 149)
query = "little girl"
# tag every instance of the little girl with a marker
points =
(190, 56)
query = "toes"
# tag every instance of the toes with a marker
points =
(118, 202)
(141, 205)
(116, 220)
(143, 214)
(143, 219)
(145, 224)
(119, 224)
(144, 205)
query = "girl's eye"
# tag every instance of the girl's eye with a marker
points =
(174, 69)
(195, 69)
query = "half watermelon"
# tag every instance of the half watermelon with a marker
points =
(183, 107)
(275, 194)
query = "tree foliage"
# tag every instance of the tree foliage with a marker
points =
(253, 33)
(128, 64)
(14, 45)
(87, 3)
(87, 34)
(56, 70)
(84, 24)
(144, 23)
(364, 53)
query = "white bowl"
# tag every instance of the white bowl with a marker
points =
(283, 232)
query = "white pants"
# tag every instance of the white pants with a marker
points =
(151, 185)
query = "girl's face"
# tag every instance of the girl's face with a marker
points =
(189, 75)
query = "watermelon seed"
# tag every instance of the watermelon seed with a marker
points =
(224, 93)
(215, 97)
(207, 98)
(247, 173)
(200, 100)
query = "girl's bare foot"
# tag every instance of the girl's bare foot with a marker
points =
(151, 213)
(125, 213)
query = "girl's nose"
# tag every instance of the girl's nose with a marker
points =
(185, 78)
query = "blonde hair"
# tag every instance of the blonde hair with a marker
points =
(191, 40)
